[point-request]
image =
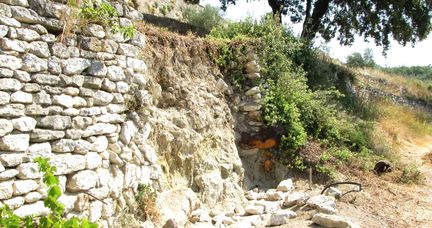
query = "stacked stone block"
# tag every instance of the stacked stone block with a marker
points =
(65, 100)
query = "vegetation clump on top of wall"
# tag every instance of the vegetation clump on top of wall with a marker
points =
(97, 12)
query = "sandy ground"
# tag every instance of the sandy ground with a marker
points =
(386, 203)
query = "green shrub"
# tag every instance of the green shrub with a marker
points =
(55, 218)
(357, 60)
(287, 66)
(411, 175)
(288, 101)
(206, 18)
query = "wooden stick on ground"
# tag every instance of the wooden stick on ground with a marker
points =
(310, 178)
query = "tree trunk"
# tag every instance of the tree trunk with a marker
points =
(307, 13)
(312, 23)
(276, 8)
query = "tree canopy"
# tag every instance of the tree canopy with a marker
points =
(357, 60)
(403, 20)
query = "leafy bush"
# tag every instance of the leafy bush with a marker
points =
(55, 218)
(206, 18)
(288, 100)
(411, 175)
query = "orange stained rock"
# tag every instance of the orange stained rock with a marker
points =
(267, 144)
(267, 165)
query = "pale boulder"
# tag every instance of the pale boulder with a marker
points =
(18, 142)
(281, 217)
(24, 124)
(83, 180)
(285, 186)
(35, 209)
(333, 221)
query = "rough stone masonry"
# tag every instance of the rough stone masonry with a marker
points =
(66, 101)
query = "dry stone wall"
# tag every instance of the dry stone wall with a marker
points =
(67, 101)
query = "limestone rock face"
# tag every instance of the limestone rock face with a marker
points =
(177, 204)
(83, 180)
(69, 99)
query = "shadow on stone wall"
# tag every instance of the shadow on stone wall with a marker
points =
(174, 25)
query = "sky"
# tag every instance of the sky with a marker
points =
(398, 55)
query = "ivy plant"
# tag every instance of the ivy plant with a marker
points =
(55, 219)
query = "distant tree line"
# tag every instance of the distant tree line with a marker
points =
(367, 60)
(358, 60)
(419, 72)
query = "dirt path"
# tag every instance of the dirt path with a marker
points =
(420, 153)
(396, 204)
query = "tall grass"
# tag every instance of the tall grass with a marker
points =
(404, 122)
(400, 85)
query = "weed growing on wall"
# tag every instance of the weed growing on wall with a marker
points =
(55, 217)
(146, 200)
(97, 12)
(104, 13)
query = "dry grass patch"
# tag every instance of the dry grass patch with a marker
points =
(402, 122)
(428, 158)
(399, 85)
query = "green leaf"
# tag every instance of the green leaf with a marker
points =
(86, 224)
(54, 191)
(51, 180)
(72, 223)
(28, 222)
